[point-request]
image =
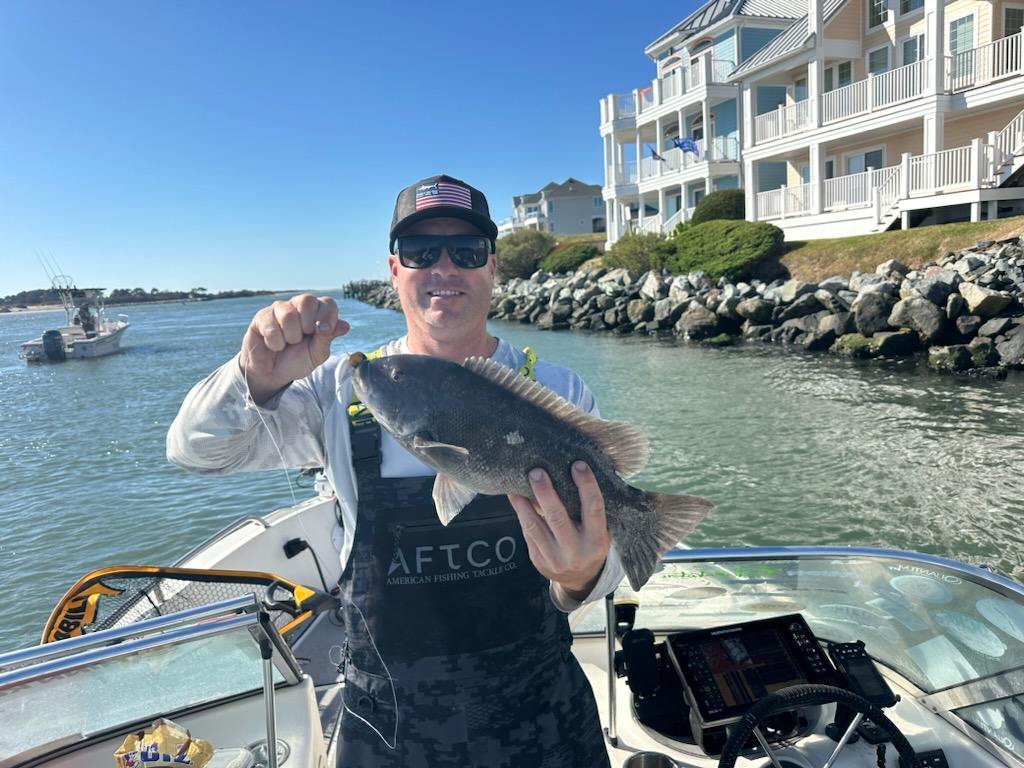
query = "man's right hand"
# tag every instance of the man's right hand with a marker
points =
(287, 341)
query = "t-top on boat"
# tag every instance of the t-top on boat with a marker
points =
(87, 331)
(794, 657)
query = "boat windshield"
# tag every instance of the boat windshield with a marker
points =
(952, 630)
(60, 699)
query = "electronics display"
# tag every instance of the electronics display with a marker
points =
(726, 670)
(860, 673)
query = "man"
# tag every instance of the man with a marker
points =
(448, 663)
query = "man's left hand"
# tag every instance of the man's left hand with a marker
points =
(571, 554)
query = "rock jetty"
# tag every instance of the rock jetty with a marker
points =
(964, 312)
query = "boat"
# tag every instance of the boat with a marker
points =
(790, 657)
(87, 331)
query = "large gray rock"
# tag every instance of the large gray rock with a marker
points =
(805, 305)
(983, 353)
(996, 326)
(871, 313)
(652, 287)
(919, 314)
(698, 322)
(841, 323)
(640, 311)
(955, 306)
(727, 308)
(859, 282)
(699, 281)
(794, 289)
(956, 357)
(1011, 351)
(887, 267)
(679, 288)
(936, 289)
(968, 325)
(983, 301)
(757, 311)
(668, 312)
(756, 332)
(895, 343)
(835, 284)
(620, 276)
(831, 301)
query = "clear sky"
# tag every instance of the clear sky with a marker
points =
(260, 144)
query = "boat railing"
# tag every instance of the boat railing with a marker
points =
(236, 636)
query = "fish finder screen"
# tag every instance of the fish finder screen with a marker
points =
(749, 665)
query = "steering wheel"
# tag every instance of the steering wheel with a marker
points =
(811, 695)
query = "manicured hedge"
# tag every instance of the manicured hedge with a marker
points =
(639, 252)
(568, 259)
(729, 249)
(723, 204)
(519, 254)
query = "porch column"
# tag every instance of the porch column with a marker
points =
(640, 219)
(607, 170)
(815, 65)
(816, 161)
(747, 114)
(935, 43)
(993, 210)
(609, 223)
(933, 140)
(750, 189)
(661, 206)
(658, 128)
(708, 138)
(639, 154)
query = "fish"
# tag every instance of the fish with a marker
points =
(483, 427)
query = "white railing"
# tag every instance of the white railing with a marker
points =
(940, 171)
(694, 76)
(888, 182)
(784, 121)
(798, 199)
(769, 204)
(986, 63)
(720, 70)
(671, 221)
(725, 148)
(670, 86)
(1010, 140)
(650, 167)
(650, 224)
(853, 190)
(626, 174)
(874, 92)
(646, 98)
(677, 160)
(625, 106)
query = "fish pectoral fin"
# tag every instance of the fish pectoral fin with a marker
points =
(450, 497)
(440, 451)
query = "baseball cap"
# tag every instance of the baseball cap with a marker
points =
(441, 196)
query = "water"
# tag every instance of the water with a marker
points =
(792, 448)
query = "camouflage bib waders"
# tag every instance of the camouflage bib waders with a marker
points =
(480, 657)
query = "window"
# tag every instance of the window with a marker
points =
(598, 203)
(1013, 21)
(861, 161)
(878, 10)
(838, 75)
(830, 168)
(961, 43)
(913, 49)
(800, 89)
(551, 207)
(906, 6)
(805, 173)
(878, 60)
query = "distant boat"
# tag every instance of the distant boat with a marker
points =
(88, 332)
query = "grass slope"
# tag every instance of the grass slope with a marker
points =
(814, 260)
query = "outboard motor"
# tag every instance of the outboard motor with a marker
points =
(53, 346)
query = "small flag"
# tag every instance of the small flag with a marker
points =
(442, 193)
(687, 145)
(654, 154)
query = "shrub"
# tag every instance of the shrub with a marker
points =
(520, 253)
(723, 204)
(639, 252)
(568, 259)
(729, 249)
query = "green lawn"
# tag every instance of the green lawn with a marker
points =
(814, 260)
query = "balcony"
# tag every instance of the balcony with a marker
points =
(626, 174)
(784, 121)
(723, 149)
(875, 92)
(985, 64)
(664, 89)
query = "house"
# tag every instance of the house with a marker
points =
(841, 118)
(570, 208)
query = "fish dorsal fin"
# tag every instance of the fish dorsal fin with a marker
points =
(623, 443)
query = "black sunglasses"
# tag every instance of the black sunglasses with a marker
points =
(422, 251)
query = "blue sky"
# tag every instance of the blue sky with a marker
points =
(261, 144)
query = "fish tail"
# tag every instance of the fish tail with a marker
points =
(674, 516)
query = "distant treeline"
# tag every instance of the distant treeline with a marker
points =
(121, 296)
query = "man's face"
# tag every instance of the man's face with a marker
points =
(444, 317)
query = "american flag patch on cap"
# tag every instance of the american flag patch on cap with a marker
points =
(442, 193)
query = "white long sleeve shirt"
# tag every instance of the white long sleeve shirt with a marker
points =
(219, 430)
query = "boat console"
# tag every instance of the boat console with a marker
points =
(714, 688)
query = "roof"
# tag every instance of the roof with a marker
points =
(570, 186)
(792, 38)
(715, 10)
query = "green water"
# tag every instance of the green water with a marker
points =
(792, 448)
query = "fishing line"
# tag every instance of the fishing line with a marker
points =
(302, 524)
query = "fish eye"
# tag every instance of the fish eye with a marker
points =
(396, 375)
